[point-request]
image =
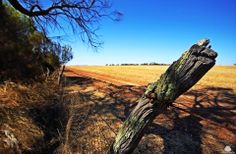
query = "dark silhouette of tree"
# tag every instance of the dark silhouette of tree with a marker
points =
(24, 51)
(82, 15)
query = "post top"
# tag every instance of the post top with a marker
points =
(203, 42)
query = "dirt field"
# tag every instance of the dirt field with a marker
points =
(203, 120)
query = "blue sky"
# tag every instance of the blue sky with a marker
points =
(161, 30)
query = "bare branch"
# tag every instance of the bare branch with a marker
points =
(81, 15)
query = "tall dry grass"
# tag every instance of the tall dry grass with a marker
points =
(31, 117)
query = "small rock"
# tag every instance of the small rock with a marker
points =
(227, 148)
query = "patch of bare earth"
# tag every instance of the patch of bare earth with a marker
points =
(200, 121)
(104, 77)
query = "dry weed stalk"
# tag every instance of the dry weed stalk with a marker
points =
(26, 111)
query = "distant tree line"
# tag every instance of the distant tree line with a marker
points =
(136, 64)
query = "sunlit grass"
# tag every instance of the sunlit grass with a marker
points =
(218, 76)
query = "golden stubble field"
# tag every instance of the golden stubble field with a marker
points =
(218, 76)
(202, 120)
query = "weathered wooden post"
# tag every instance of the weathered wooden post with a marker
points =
(61, 71)
(178, 78)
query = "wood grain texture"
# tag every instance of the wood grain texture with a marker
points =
(179, 77)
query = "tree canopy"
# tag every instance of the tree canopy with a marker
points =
(26, 52)
(24, 38)
(83, 16)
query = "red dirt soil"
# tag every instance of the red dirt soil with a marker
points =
(102, 77)
(202, 120)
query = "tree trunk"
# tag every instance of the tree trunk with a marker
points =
(178, 78)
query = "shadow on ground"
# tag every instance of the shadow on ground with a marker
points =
(201, 120)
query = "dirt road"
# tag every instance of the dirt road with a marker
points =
(99, 76)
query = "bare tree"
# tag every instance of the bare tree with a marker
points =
(83, 16)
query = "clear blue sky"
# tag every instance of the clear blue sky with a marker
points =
(161, 30)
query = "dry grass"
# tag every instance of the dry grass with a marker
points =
(29, 117)
(134, 74)
(218, 76)
(202, 121)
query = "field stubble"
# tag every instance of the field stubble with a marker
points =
(202, 120)
(218, 76)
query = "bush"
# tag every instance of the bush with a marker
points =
(26, 53)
